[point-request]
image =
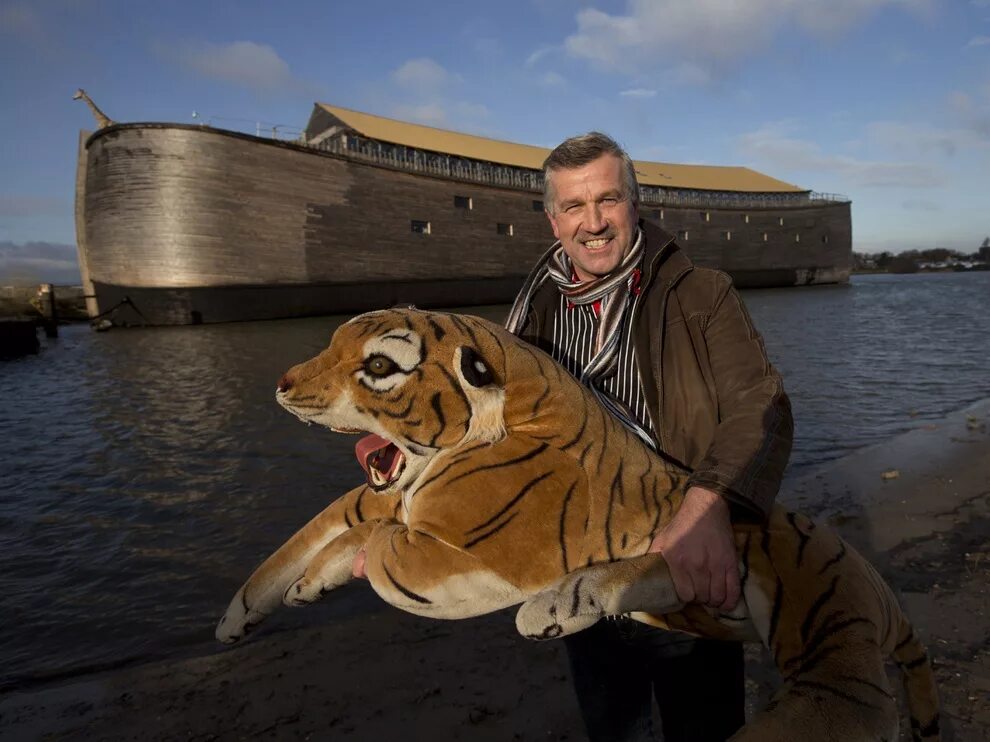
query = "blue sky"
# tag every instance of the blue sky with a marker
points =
(885, 101)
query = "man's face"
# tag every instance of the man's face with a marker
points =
(594, 218)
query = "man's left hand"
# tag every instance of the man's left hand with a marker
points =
(699, 548)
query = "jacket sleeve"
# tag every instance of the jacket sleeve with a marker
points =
(752, 443)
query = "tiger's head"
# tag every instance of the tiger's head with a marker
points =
(418, 383)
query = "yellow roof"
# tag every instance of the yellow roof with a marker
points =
(704, 177)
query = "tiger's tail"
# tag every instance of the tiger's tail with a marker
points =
(919, 683)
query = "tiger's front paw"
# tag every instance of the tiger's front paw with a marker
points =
(558, 612)
(304, 591)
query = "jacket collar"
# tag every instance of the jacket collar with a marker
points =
(663, 260)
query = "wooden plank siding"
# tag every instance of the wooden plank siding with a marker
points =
(203, 224)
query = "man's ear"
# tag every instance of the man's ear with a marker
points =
(553, 223)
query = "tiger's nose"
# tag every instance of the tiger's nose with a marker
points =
(284, 384)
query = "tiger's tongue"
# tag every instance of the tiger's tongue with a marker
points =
(369, 445)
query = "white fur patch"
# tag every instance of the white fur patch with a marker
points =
(400, 345)
(459, 596)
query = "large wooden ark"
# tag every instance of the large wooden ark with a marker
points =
(182, 224)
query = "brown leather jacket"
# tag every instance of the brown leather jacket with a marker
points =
(717, 405)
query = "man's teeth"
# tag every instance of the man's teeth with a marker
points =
(595, 243)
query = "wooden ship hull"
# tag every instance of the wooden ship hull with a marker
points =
(183, 224)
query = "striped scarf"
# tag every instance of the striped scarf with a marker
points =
(613, 291)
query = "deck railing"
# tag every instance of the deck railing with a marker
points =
(453, 167)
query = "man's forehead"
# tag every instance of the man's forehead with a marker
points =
(598, 176)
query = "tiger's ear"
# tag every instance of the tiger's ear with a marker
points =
(475, 369)
(487, 399)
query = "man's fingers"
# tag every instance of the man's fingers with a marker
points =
(702, 581)
(357, 566)
(717, 590)
(683, 585)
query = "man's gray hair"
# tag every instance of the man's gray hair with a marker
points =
(578, 151)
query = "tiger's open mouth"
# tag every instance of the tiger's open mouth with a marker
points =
(381, 460)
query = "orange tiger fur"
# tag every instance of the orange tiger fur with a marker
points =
(515, 486)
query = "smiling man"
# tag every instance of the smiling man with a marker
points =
(671, 351)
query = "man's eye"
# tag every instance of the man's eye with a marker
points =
(379, 366)
(611, 201)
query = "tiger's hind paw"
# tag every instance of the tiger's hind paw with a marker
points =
(551, 614)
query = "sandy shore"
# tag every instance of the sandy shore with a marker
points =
(391, 675)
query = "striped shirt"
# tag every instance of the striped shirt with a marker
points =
(573, 344)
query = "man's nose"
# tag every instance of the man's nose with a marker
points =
(594, 219)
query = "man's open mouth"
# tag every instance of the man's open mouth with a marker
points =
(381, 460)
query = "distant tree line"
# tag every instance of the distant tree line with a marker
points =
(937, 258)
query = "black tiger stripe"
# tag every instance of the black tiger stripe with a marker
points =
(562, 526)
(916, 662)
(404, 590)
(522, 493)
(616, 485)
(576, 597)
(498, 342)
(461, 456)
(836, 559)
(584, 453)
(928, 730)
(778, 598)
(539, 401)
(401, 413)
(905, 641)
(510, 462)
(347, 520)
(466, 329)
(441, 420)
(489, 533)
(455, 384)
(358, 513)
(396, 336)
(606, 417)
(865, 683)
(579, 435)
(642, 492)
(816, 608)
(804, 538)
(825, 687)
(438, 331)
(813, 652)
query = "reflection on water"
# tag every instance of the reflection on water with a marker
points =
(145, 472)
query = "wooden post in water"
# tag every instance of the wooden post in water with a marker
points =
(49, 311)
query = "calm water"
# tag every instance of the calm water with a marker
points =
(144, 473)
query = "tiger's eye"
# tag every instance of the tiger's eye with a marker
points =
(380, 365)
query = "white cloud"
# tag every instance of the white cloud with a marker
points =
(432, 114)
(442, 114)
(35, 262)
(422, 74)
(552, 79)
(711, 35)
(773, 146)
(539, 54)
(638, 93)
(254, 66)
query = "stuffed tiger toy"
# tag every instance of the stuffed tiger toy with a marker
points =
(495, 478)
